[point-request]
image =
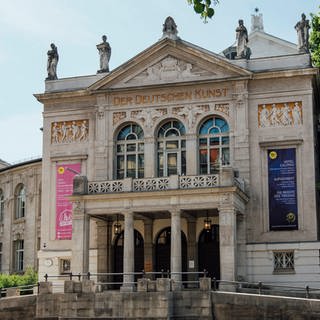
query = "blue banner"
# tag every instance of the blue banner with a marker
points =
(283, 206)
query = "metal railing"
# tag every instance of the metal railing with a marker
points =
(189, 281)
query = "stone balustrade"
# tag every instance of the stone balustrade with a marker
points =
(173, 182)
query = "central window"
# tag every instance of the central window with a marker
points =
(130, 152)
(171, 149)
(213, 145)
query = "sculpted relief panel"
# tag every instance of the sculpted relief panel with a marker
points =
(69, 131)
(280, 114)
(170, 69)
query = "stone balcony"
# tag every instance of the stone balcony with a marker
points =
(174, 182)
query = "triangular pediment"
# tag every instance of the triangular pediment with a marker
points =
(170, 61)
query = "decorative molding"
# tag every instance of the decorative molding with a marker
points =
(223, 108)
(148, 116)
(284, 114)
(69, 131)
(118, 116)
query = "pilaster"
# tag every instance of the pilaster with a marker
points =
(80, 239)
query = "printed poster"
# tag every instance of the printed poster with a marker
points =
(64, 188)
(283, 206)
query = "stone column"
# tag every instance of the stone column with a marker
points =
(80, 239)
(192, 249)
(128, 252)
(228, 242)
(176, 261)
(148, 232)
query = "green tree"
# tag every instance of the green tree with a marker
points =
(315, 39)
(204, 7)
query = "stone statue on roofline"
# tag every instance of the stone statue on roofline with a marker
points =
(302, 28)
(53, 58)
(104, 50)
(170, 29)
(243, 51)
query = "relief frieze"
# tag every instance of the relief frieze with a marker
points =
(284, 114)
(69, 131)
(118, 116)
(222, 107)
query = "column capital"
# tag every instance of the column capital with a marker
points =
(175, 212)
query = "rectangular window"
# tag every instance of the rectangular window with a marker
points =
(19, 251)
(65, 266)
(283, 261)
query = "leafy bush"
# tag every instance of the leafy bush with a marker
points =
(15, 280)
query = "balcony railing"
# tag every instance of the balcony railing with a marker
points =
(173, 182)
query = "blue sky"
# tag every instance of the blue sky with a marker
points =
(28, 27)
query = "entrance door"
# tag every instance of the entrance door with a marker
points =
(163, 248)
(118, 255)
(208, 251)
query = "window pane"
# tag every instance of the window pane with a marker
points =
(160, 165)
(206, 126)
(203, 159)
(214, 160)
(172, 144)
(131, 147)
(214, 141)
(203, 142)
(120, 148)
(183, 144)
(183, 163)
(172, 133)
(225, 156)
(225, 140)
(140, 166)
(214, 130)
(141, 146)
(172, 163)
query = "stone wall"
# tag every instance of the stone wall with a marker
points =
(158, 305)
(18, 308)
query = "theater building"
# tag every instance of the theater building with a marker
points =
(183, 160)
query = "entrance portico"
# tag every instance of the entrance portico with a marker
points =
(182, 210)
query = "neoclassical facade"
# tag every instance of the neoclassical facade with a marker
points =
(184, 160)
(20, 215)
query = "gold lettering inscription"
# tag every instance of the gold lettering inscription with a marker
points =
(170, 97)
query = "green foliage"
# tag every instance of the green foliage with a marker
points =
(204, 7)
(16, 280)
(315, 39)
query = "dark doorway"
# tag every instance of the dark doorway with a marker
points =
(208, 251)
(163, 248)
(118, 255)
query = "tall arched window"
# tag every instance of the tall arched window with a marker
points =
(1, 205)
(213, 145)
(171, 149)
(130, 152)
(20, 202)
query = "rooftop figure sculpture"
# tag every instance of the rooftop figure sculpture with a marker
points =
(53, 58)
(302, 28)
(243, 52)
(104, 50)
(170, 29)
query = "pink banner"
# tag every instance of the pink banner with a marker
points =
(64, 188)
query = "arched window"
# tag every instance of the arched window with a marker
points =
(213, 145)
(20, 202)
(171, 149)
(130, 152)
(1, 205)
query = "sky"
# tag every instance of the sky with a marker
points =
(75, 26)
